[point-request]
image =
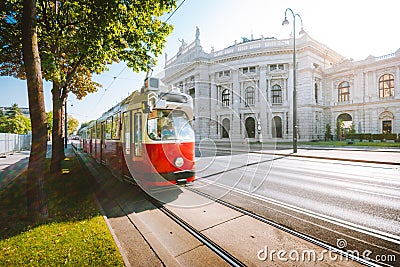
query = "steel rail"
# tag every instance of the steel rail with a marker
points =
(225, 255)
(229, 258)
(287, 230)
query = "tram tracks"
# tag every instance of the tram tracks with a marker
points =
(214, 244)
(288, 230)
(225, 255)
(361, 237)
(121, 204)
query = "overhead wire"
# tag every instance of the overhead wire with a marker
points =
(108, 87)
(175, 10)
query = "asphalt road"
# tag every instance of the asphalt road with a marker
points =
(353, 205)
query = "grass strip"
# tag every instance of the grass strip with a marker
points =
(75, 233)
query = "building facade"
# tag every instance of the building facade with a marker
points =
(8, 110)
(246, 90)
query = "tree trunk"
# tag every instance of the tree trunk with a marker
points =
(57, 135)
(36, 207)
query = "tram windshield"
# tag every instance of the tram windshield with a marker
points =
(169, 125)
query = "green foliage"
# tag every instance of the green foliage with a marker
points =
(354, 136)
(344, 143)
(377, 136)
(19, 124)
(14, 122)
(389, 136)
(49, 120)
(328, 132)
(72, 124)
(79, 38)
(366, 136)
(352, 129)
(84, 124)
(338, 129)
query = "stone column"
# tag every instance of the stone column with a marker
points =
(184, 88)
(203, 97)
(236, 124)
(397, 85)
(263, 103)
(214, 104)
(375, 85)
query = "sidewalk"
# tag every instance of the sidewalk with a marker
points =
(15, 164)
(363, 156)
(12, 166)
(376, 155)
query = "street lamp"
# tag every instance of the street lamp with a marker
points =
(66, 122)
(286, 22)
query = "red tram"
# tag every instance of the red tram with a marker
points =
(147, 138)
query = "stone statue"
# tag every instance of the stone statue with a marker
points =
(197, 33)
(183, 43)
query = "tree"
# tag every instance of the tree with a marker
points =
(84, 124)
(15, 122)
(30, 52)
(19, 57)
(352, 128)
(339, 129)
(72, 124)
(328, 132)
(49, 122)
(79, 38)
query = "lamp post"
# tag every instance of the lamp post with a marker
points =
(286, 22)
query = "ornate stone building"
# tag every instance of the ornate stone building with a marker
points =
(246, 90)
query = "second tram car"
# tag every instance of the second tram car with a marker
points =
(147, 138)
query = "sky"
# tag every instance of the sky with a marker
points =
(354, 29)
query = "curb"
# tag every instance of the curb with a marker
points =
(316, 157)
(330, 158)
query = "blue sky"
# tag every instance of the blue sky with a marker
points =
(355, 29)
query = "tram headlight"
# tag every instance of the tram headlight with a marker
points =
(178, 162)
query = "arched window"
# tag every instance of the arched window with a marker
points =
(276, 127)
(250, 125)
(344, 123)
(344, 92)
(226, 98)
(386, 85)
(249, 96)
(226, 127)
(276, 94)
(316, 92)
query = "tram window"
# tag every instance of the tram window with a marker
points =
(108, 128)
(127, 131)
(137, 131)
(116, 126)
(167, 124)
(98, 130)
